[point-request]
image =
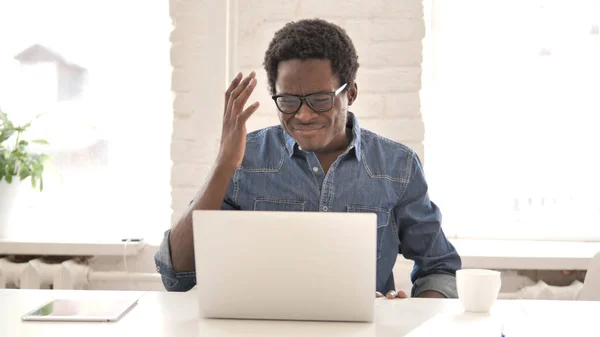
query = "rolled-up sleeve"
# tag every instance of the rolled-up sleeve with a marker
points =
(173, 281)
(442, 283)
(422, 238)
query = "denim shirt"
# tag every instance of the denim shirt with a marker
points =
(373, 175)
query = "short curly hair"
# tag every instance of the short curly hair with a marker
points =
(312, 39)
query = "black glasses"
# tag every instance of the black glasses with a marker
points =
(319, 102)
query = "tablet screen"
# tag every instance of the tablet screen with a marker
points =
(87, 309)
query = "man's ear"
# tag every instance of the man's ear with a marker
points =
(352, 93)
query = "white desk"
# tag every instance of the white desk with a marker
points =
(176, 314)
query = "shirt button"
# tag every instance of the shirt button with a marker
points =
(315, 169)
(325, 209)
(158, 269)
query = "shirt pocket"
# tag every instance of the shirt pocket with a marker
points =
(267, 204)
(383, 219)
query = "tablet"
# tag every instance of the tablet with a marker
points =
(87, 310)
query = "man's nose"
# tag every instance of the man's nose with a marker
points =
(306, 114)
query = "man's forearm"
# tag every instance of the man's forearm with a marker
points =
(209, 198)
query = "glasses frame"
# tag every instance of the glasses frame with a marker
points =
(305, 99)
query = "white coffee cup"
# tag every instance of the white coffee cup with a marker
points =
(478, 289)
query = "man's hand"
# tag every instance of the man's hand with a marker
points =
(392, 294)
(233, 138)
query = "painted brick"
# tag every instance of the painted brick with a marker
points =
(338, 9)
(182, 35)
(184, 175)
(400, 79)
(197, 128)
(368, 105)
(181, 7)
(185, 54)
(193, 108)
(184, 104)
(397, 129)
(253, 42)
(251, 14)
(350, 9)
(185, 79)
(194, 151)
(391, 54)
(402, 104)
(410, 9)
(185, 195)
(208, 82)
(385, 30)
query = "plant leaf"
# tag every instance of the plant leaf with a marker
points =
(6, 134)
(28, 124)
(20, 162)
(4, 117)
(37, 166)
(24, 172)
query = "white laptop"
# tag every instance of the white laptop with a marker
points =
(286, 265)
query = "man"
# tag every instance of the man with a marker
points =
(318, 159)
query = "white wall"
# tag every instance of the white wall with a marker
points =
(198, 56)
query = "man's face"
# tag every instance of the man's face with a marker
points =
(314, 131)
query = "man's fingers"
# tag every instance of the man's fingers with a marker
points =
(234, 83)
(241, 86)
(391, 294)
(244, 115)
(236, 92)
(240, 101)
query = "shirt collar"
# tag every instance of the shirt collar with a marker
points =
(290, 142)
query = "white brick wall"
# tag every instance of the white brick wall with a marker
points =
(388, 37)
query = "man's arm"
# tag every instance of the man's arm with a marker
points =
(423, 241)
(210, 197)
(175, 258)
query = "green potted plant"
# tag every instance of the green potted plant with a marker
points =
(17, 163)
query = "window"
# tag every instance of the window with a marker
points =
(100, 71)
(512, 109)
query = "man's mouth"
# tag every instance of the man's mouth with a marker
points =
(306, 129)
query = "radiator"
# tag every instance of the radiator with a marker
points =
(36, 274)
